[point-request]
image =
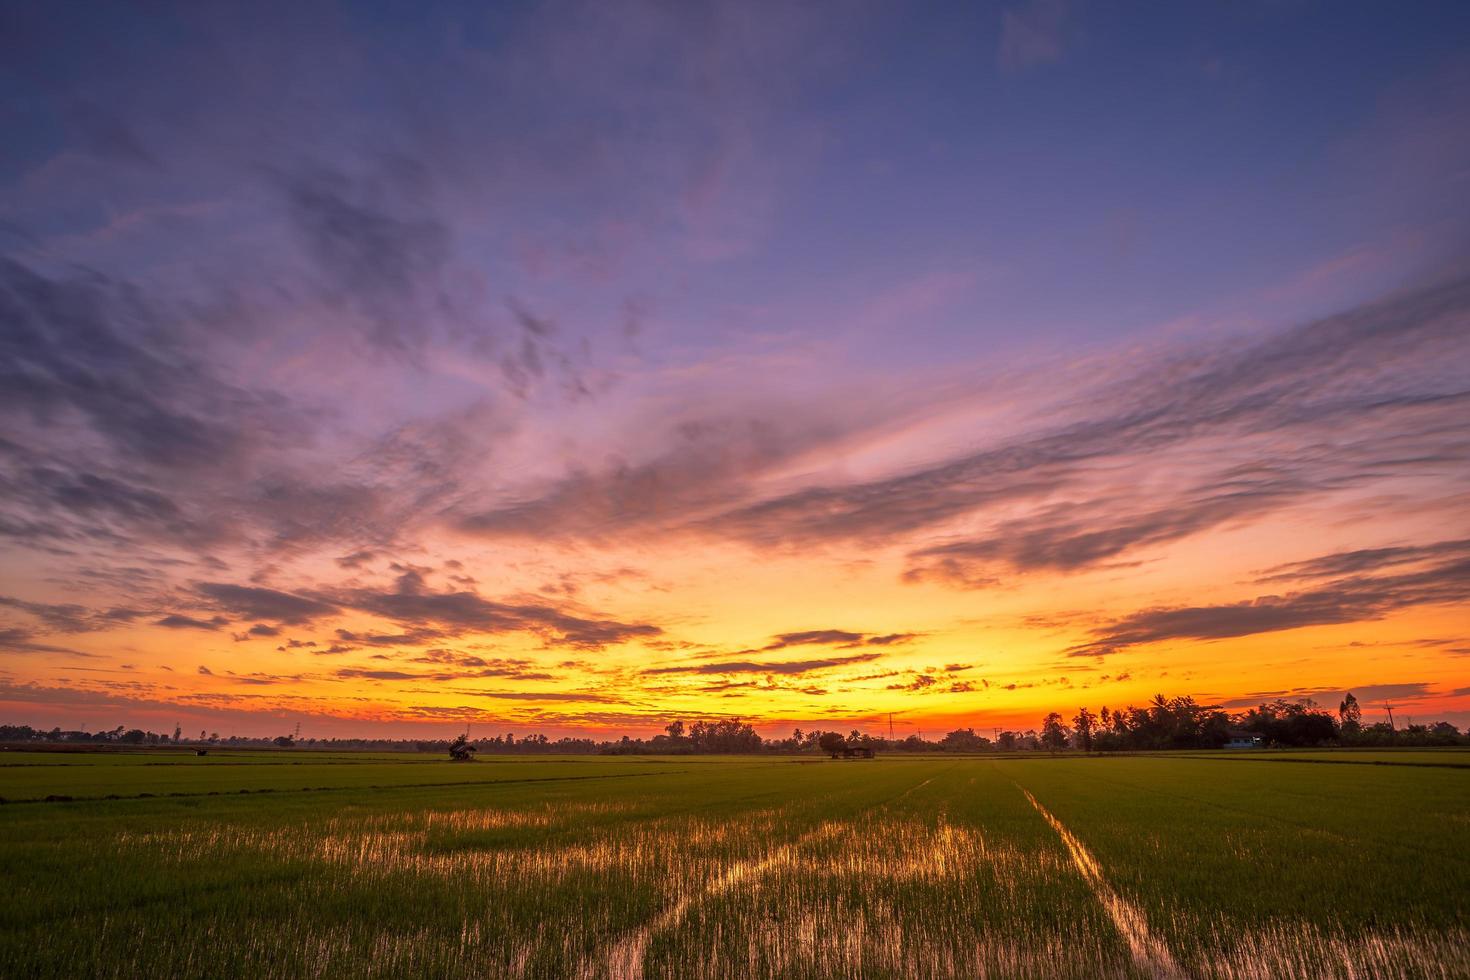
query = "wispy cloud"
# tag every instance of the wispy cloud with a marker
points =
(776, 667)
(1445, 579)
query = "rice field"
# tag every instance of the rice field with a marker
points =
(302, 864)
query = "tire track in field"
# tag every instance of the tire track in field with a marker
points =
(624, 958)
(1150, 953)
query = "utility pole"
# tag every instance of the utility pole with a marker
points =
(890, 726)
(1389, 707)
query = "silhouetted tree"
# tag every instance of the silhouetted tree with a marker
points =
(1083, 723)
(1444, 733)
(727, 735)
(1053, 732)
(1288, 723)
(963, 740)
(832, 743)
(1350, 716)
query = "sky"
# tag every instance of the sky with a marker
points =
(572, 367)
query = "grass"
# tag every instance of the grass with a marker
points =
(1454, 756)
(120, 775)
(1066, 867)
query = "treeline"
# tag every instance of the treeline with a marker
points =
(1162, 723)
(1182, 723)
(130, 737)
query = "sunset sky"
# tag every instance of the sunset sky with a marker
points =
(572, 367)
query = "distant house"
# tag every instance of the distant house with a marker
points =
(1242, 739)
(858, 752)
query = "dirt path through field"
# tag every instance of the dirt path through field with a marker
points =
(1150, 953)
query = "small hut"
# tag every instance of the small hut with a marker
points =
(1239, 738)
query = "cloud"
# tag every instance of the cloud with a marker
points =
(1382, 376)
(253, 602)
(357, 559)
(890, 639)
(458, 612)
(415, 637)
(824, 637)
(462, 668)
(424, 614)
(1073, 536)
(700, 464)
(813, 637)
(749, 667)
(178, 621)
(444, 656)
(1362, 560)
(378, 675)
(573, 696)
(118, 420)
(74, 345)
(16, 640)
(1330, 697)
(89, 493)
(380, 253)
(64, 617)
(1348, 599)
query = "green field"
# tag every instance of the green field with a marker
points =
(306, 864)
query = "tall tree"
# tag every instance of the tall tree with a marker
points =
(1053, 732)
(1084, 722)
(1349, 715)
